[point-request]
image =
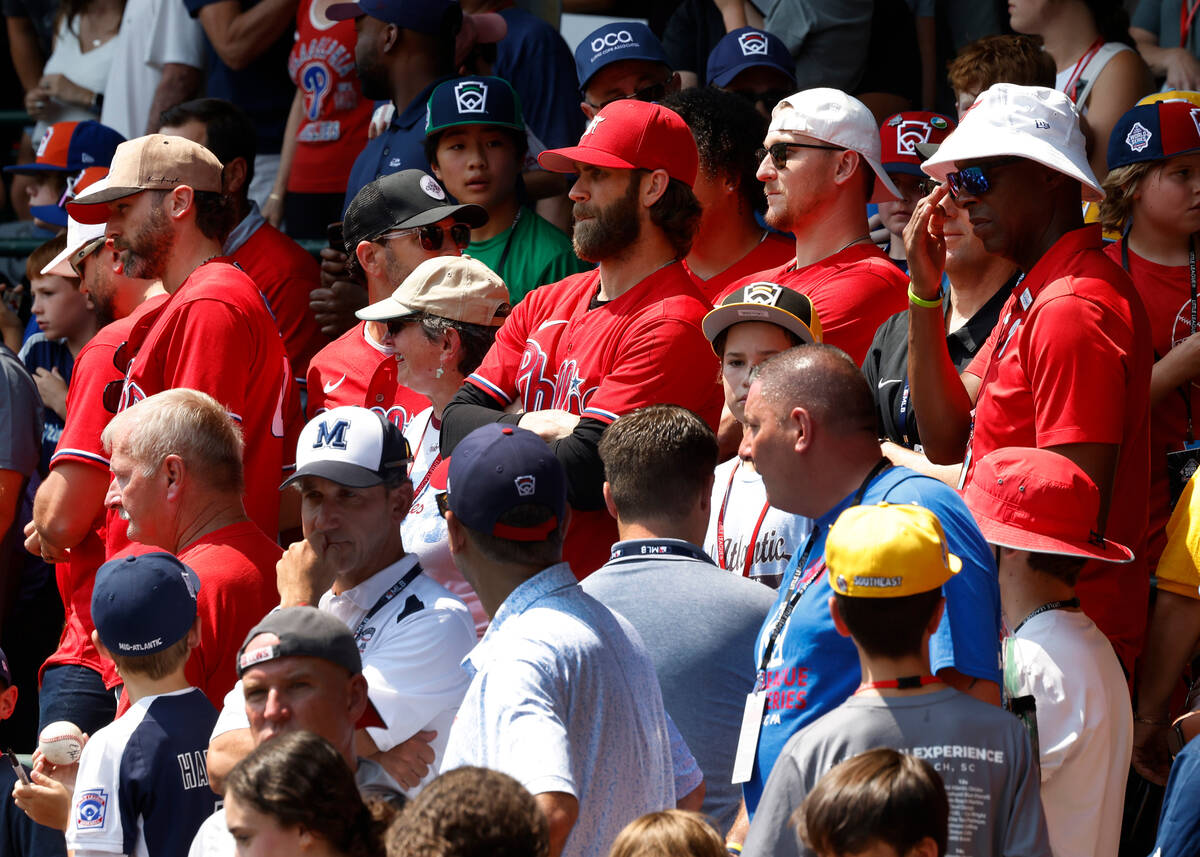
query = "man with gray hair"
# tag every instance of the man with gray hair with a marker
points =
(176, 459)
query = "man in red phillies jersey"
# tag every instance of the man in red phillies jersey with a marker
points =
(576, 354)
(392, 225)
(819, 168)
(166, 218)
(177, 480)
(68, 524)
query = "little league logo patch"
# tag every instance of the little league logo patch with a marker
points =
(909, 133)
(763, 293)
(1138, 137)
(753, 44)
(90, 809)
(525, 485)
(471, 96)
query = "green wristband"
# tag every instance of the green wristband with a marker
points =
(913, 297)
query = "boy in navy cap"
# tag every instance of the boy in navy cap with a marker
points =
(755, 64)
(475, 141)
(142, 785)
(622, 60)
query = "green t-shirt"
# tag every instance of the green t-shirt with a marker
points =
(538, 253)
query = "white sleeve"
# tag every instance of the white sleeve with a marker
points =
(95, 821)
(176, 37)
(414, 673)
(233, 712)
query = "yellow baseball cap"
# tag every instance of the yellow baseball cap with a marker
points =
(888, 551)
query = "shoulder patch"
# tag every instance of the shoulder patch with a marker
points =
(90, 809)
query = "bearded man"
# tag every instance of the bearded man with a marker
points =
(576, 354)
(166, 219)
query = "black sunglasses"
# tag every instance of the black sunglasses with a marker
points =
(779, 152)
(974, 180)
(395, 325)
(431, 237)
(654, 92)
(769, 97)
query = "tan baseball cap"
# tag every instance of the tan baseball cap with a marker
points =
(153, 162)
(454, 287)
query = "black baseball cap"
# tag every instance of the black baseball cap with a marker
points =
(302, 632)
(402, 200)
(769, 302)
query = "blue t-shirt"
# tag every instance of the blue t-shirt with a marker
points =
(142, 785)
(814, 669)
(1179, 823)
(263, 88)
(534, 58)
(400, 147)
(38, 352)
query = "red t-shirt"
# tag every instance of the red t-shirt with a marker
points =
(853, 291)
(216, 335)
(354, 370)
(285, 273)
(774, 250)
(236, 567)
(1072, 360)
(333, 127)
(645, 347)
(1166, 292)
(80, 442)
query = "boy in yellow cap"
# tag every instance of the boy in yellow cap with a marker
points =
(887, 564)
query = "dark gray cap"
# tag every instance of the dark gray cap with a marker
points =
(402, 200)
(302, 632)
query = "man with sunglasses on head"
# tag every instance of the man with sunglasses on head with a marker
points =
(820, 166)
(1068, 366)
(393, 225)
(619, 61)
(576, 354)
(68, 513)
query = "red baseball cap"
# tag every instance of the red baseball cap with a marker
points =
(1037, 500)
(900, 135)
(631, 135)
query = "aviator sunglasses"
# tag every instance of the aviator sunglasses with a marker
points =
(779, 152)
(974, 180)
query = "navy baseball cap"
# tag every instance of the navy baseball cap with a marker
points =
(499, 467)
(143, 604)
(473, 101)
(68, 147)
(1152, 132)
(747, 47)
(423, 16)
(621, 40)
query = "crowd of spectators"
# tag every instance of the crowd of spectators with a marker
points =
(746, 428)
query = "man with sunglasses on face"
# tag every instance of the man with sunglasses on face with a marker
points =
(576, 354)
(68, 512)
(1068, 366)
(755, 64)
(393, 224)
(820, 166)
(619, 61)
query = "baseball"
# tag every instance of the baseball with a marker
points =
(61, 743)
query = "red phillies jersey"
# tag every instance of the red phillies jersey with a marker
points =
(643, 348)
(236, 567)
(853, 291)
(285, 273)
(95, 369)
(356, 370)
(774, 250)
(216, 335)
(1166, 292)
(333, 126)
(1069, 362)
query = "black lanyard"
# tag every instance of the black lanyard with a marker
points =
(395, 589)
(652, 548)
(796, 589)
(1069, 604)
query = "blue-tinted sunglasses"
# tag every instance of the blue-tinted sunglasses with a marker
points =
(974, 180)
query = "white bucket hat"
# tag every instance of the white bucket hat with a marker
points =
(834, 117)
(1032, 122)
(79, 235)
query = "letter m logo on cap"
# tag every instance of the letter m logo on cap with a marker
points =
(332, 436)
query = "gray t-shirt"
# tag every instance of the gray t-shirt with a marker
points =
(699, 624)
(982, 752)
